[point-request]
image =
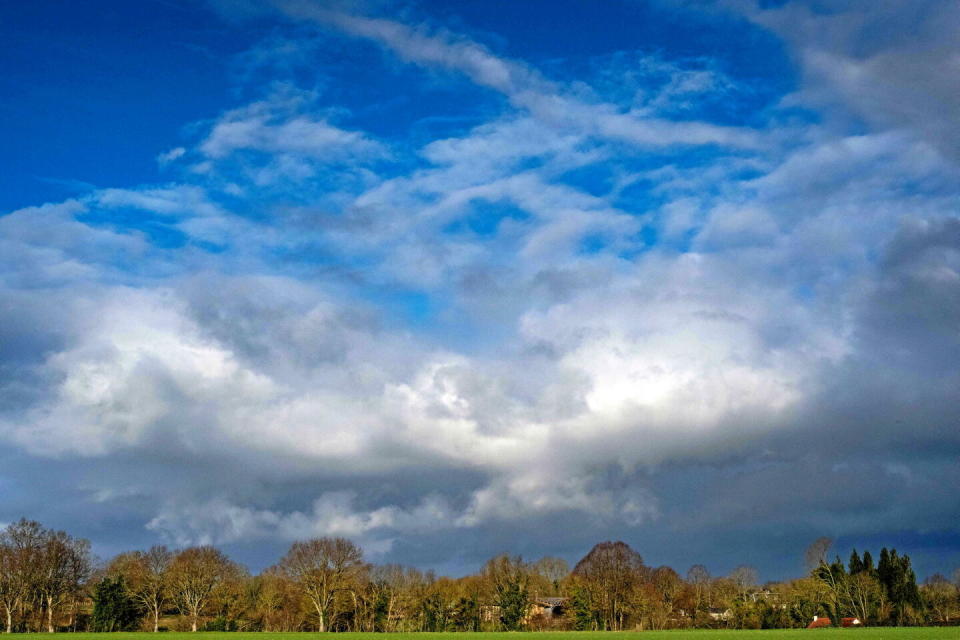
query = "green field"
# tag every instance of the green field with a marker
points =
(874, 633)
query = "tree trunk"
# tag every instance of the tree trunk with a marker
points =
(50, 616)
(156, 619)
(356, 612)
(9, 621)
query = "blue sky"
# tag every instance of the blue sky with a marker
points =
(444, 278)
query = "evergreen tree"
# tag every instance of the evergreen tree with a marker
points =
(868, 562)
(113, 608)
(583, 616)
(513, 606)
(434, 618)
(381, 609)
(855, 565)
(465, 614)
(899, 584)
(885, 569)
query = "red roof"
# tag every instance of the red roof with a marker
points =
(849, 622)
(819, 622)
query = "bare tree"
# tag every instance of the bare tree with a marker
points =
(20, 545)
(552, 571)
(323, 566)
(745, 578)
(394, 583)
(816, 554)
(63, 563)
(667, 586)
(940, 596)
(193, 577)
(145, 577)
(611, 571)
(276, 601)
(862, 590)
(699, 577)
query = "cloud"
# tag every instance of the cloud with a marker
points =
(583, 308)
(250, 128)
(523, 86)
(280, 141)
(332, 514)
(170, 156)
(891, 77)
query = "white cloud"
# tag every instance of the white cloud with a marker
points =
(525, 87)
(332, 514)
(168, 157)
(278, 125)
(546, 380)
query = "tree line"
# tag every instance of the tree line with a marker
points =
(49, 581)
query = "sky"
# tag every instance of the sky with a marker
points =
(458, 279)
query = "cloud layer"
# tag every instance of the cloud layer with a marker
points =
(711, 339)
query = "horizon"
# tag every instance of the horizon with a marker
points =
(828, 552)
(457, 280)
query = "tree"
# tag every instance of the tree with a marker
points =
(940, 595)
(611, 572)
(834, 578)
(390, 584)
(582, 610)
(816, 554)
(20, 545)
(863, 594)
(276, 601)
(745, 578)
(667, 586)
(63, 563)
(194, 576)
(899, 584)
(509, 579)
(113, 608)
(322, 567)
(145, 578)
(550, 571)
(855, 565)
(699, 578)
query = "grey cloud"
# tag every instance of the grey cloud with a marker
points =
(893, 63)
(794, 367)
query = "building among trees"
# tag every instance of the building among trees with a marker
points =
(50, 582)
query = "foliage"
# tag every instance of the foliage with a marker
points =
(113, 608)
(45, 583)
(220, 624)
(905, 633)
(508, 578)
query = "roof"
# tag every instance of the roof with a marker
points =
(820, 622)
(553, 602)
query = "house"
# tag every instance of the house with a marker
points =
(721, 615)
(850, 622)
(765, 595)
(819, 621)
(546, 607)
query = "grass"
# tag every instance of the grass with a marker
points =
(871, 633)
